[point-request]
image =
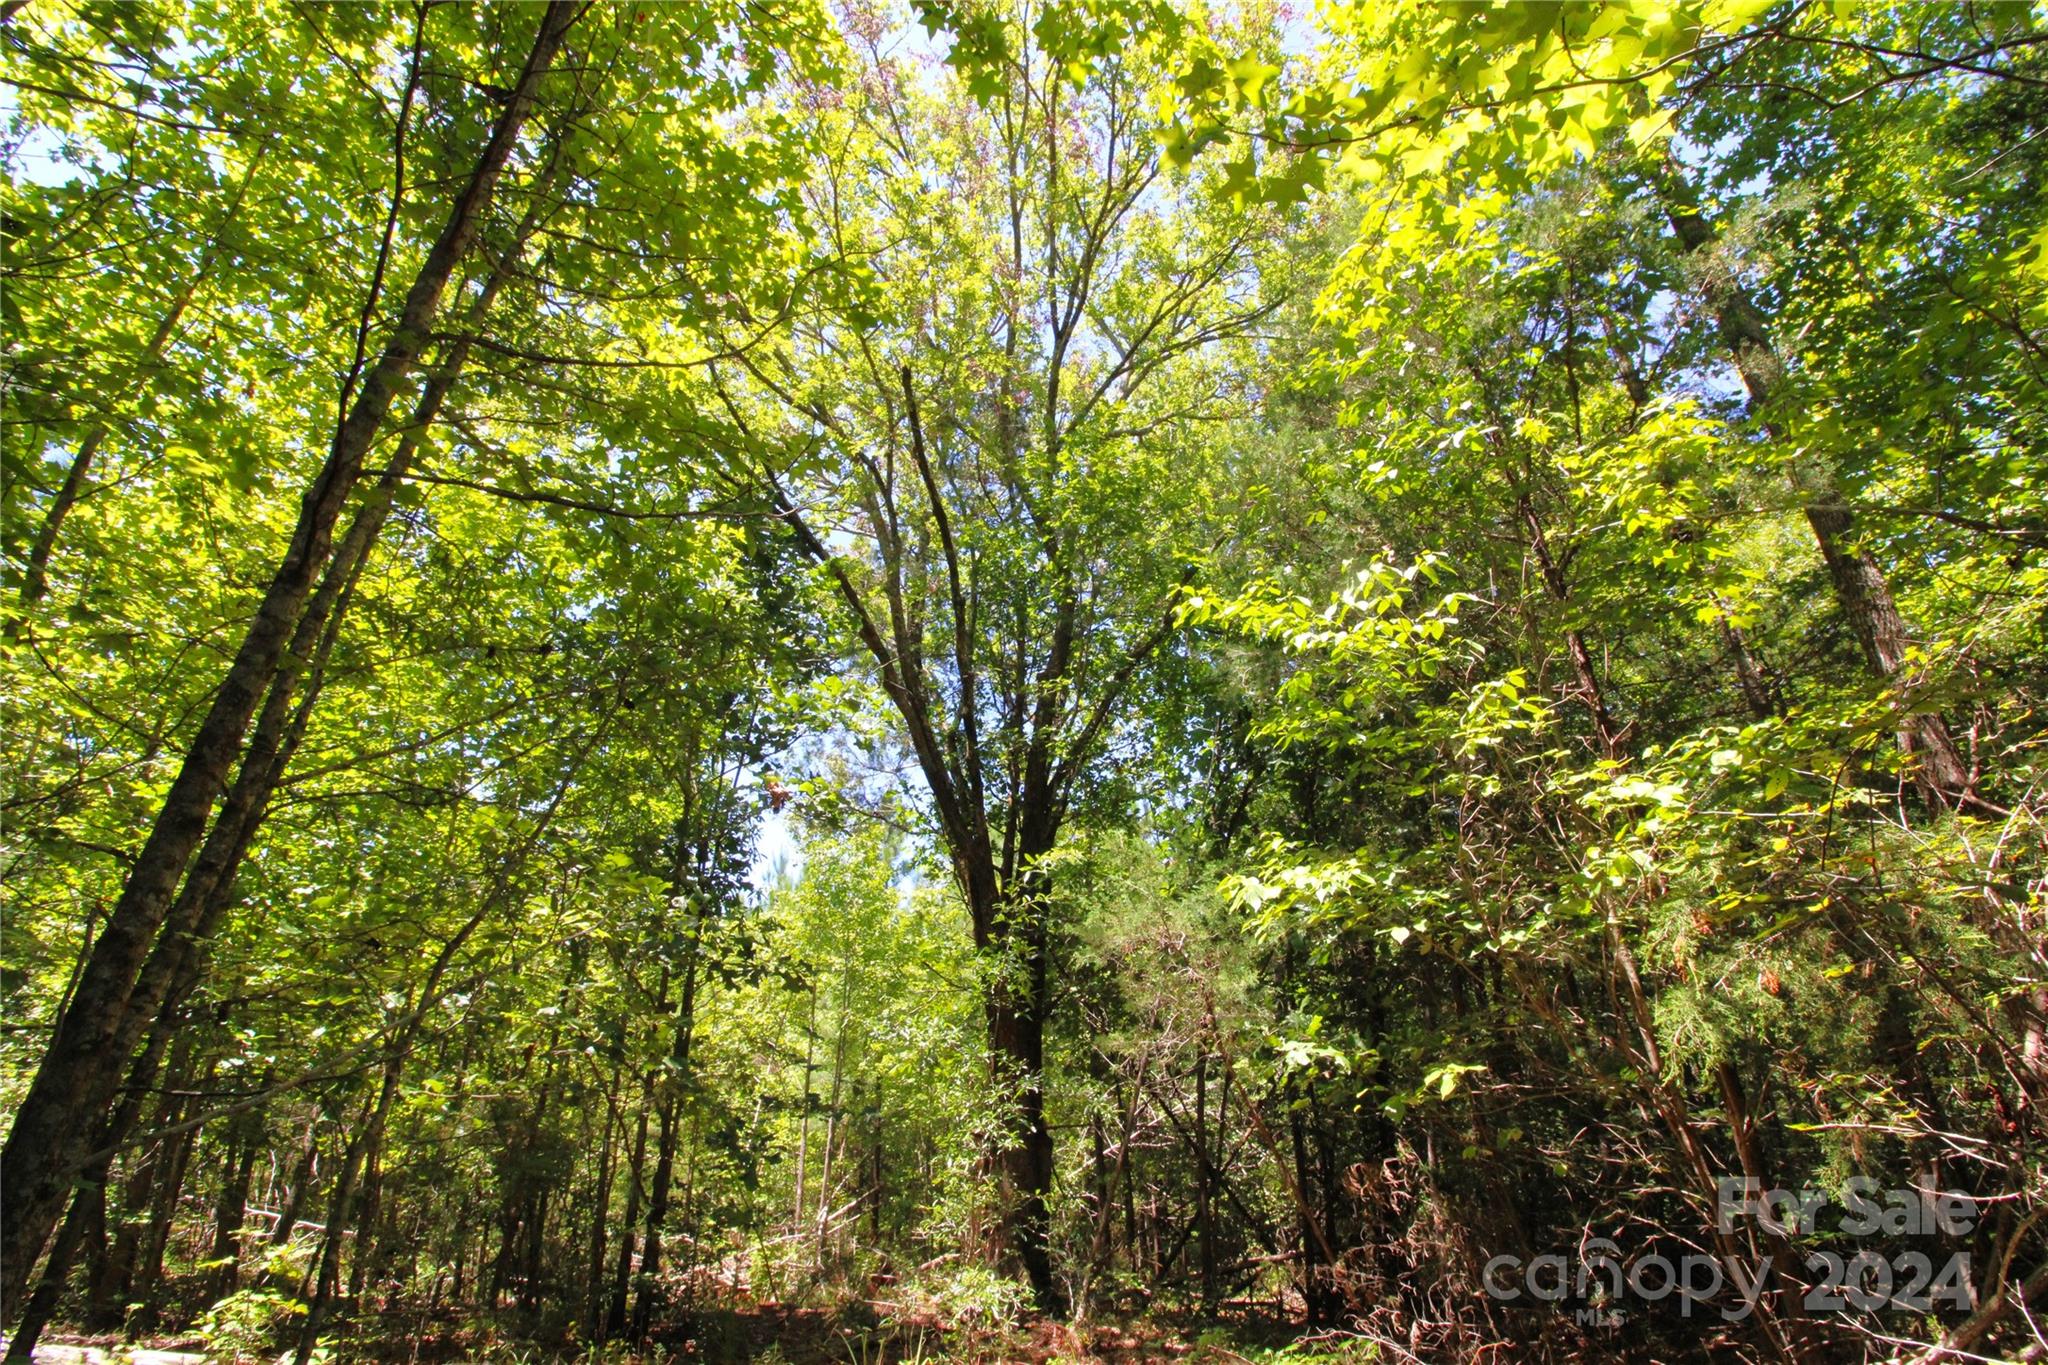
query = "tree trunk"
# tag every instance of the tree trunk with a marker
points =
(803, 1102)
(1320, 1299)
(341, 1211)
(371, 1132)
(535, 1262)
(456, 1284)
(508, 1243)
(593, 1294)
(301, 1182)
(536, 1214)
(112, 1268)
(671, 1121)
(647, 1301)
(45, 1146)
(113, 1271)
(1015, 1009)
(835, 1124)
(87, 1214)
(176, 963)
(1669, 1104)
(876, 1186)
(615, 1310)
(359, 1264)
(1859, 583)
(238, 1169)
(163, 1209)
(1611, 735)
(1205, 1229)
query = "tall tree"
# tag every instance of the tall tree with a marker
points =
(1005, 413)
(72, 1085)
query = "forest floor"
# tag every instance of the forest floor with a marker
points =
(810, 1336)
(780, 1334)
(113, 1353)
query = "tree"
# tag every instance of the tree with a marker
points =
(1224, 661)
(117, 995)
(71, 1085)
(1004, 414)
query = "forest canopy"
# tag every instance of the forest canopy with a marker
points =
(1119, 680)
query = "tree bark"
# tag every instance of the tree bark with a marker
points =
(88, 1208)
(1015, 1006)
(371, 1204)
(1320, 1299)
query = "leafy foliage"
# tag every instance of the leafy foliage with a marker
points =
(986, 680)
